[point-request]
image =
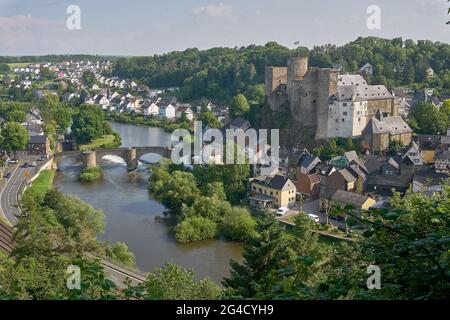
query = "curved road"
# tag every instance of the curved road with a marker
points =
(11, 190)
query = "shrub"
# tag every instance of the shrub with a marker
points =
(195, 228)
(91, 174)
(238, 224)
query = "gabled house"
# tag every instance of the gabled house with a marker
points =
(344, 198)
(380, 131)
(276, 191)
(184, 110)
(150, 109)
(342, 180)
(166, 111)
(414, 154)
(307, 162)
(101, 100)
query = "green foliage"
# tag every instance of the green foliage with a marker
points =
(195, 228)
(394, 147)
(42, 184)
(89, 124)
(91, 174)
(176, 283)
(239, 107)
(88, 78)
(238, 224)
(4, 68)
(14, 137)
(210, 120)
(16, 116)
(119, 252)
(427, 119)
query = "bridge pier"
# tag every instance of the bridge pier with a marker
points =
(89, 159)
(131, 159)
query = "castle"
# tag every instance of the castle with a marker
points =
(328, 102)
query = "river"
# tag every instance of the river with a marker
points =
(130, 211)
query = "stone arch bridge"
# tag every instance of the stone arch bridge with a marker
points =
(130, 155)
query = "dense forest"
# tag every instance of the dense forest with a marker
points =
(221, 73)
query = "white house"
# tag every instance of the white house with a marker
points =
(186, 110)
(150, 109)
(101, 100)
(167, 111)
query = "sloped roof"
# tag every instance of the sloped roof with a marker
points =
(345, 197)
(348, 176)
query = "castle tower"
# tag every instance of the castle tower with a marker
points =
(327, 86)
(296, 70)
(275, 76)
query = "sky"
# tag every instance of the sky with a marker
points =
(138, 27)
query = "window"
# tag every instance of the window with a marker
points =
(345, 104)
(345, 113)
(343, 120)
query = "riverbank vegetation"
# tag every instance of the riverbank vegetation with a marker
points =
(141, 120)
(41, 184)
(204, 204)
(91, 174)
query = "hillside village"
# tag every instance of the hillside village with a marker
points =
(334, 104)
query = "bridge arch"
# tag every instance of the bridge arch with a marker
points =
(130, 155)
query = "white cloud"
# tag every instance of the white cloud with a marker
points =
(217, 11)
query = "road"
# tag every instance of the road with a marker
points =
(11, 188)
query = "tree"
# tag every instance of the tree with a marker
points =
(210, 120)
(394, 147)
(175, 283)
(263, 254)
(15, 137)
(238, 224)
(16, 116)
(89, 124)
(88, 78)
(428, 119)
(215, 190)
(195, 228)
(4, 68)
(239, 106)
(119, 252)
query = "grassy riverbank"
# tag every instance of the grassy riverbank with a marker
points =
(41, 184)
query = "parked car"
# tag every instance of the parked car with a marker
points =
(42, 158)
(7, 175)
(34, 164)
(282, 211)
(26, 165)
(13, 161)
(314, 218)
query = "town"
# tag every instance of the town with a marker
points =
(351, 149)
